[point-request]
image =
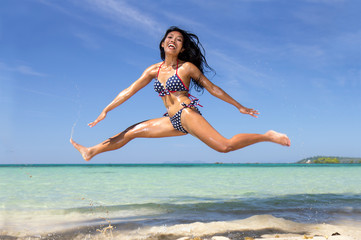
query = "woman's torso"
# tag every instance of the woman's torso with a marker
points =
(172, 85)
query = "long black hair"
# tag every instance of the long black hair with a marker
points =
(193, 52)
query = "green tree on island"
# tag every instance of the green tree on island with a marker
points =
(326, 160)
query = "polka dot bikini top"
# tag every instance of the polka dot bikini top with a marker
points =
(173, 84)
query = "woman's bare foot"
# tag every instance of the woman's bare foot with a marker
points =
(83, 150)
(279, 138)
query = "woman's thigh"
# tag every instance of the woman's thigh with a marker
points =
(154, 128)
(199, 127)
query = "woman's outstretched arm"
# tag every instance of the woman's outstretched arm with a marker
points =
(218, 92)
(127, 93)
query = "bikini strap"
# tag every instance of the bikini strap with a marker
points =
(176, 71)
(159, 69)
(194, 101)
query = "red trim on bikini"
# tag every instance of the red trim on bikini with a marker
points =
(159, 70)
(176, 73)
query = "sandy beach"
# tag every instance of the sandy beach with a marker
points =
(260, 227)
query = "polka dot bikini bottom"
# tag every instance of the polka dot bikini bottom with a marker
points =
(176, 118)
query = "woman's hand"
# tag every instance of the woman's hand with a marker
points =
(100, 117)
(250, 111)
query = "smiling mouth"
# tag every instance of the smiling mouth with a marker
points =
(171, 46)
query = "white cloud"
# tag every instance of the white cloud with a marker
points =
(308, 51)
(23, 69)
(182, 21)
(26, 70)
(46, 94)
(115, 16)
(124, 14)
(88, 40)
(237, 72)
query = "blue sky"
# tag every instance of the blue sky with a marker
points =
(61, 62)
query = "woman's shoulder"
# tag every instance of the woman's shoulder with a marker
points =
(154, 66)
(152, 70)
(188, 66)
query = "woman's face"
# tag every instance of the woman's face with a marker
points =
(173, 43)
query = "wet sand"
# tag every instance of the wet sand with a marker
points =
(260, 227)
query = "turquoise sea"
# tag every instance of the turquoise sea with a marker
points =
(57, 197)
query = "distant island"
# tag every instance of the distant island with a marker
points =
(330, 160)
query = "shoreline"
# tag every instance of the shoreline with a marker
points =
(258, 227)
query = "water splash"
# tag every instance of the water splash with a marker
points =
(79, 108)
(72, 129)
(106, 231)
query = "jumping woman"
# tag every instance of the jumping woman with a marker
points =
(183, 64)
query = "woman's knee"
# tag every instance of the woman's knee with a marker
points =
(224, 147)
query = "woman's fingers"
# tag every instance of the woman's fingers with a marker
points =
(92, 124)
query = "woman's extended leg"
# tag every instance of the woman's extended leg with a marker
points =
(198, 126)
(155, 128)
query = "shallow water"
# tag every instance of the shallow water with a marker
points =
(48, 197)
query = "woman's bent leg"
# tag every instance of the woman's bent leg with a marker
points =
(198, 126)
(155, 128)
